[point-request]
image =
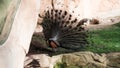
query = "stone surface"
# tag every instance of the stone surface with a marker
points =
(41, 61)
(106, 12)
(14, 49)
(85, 58)
(85, 8)
(77, 60)
(7, 14)
(114, 60)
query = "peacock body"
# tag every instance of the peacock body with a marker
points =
(61, 29)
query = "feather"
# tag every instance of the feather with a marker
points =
(61, 29)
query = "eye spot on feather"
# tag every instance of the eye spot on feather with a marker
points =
(75, 20)
(65, 13)
(56, 11)
(52, 17)
(65, 26)
(60, 12)
(59, 18)
(70, 18)
(70, 27)
(52, 12)
(63, 16)
(48, 16)
(47, 13)
(55, 15)
(67, 22)
(72, 22)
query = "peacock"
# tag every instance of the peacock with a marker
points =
(61, 29)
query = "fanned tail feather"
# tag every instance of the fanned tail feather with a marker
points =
(64, 30)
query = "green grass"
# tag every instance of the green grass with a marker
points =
(105, 40)
(63, 65)
(60, 65)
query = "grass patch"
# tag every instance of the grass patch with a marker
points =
(60, 65)
(63, 65)
(105, 40)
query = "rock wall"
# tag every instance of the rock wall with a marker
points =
(74, 60)
(85, 8)
(8, 11)
(22, 25)
(106, 12)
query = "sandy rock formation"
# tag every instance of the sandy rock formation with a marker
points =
(106, 12)
(77, 59)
